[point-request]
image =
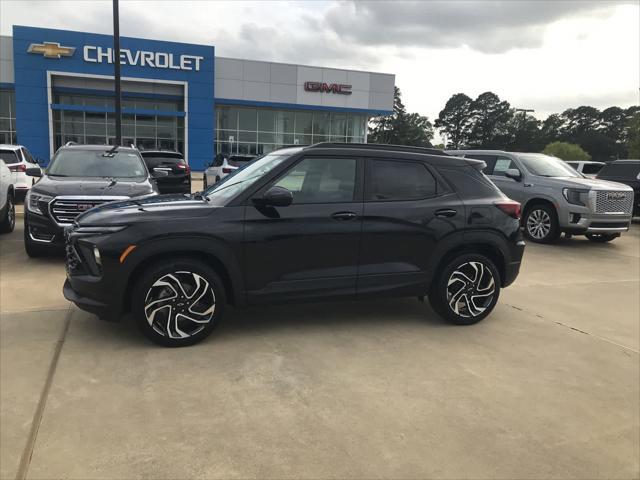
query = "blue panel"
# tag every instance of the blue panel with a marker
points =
(31, 69)
(139, 111)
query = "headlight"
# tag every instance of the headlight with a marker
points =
(96, 255)
(576, 196)
(35, 201)
(100, 229)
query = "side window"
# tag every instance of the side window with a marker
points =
(490, 160)
(502, 165)
(400, 181)
(27, 156)
(321, 180)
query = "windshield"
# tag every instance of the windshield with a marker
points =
(546, 166)
(96, 163)
(8, 156)
(245, 176)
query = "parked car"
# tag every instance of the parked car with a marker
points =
(7, 200)
(178, 178)
(588, 169)
(555, 198)
(627, 172)
(18, 159)
(223, 165)
(301, 224)
(79, 178)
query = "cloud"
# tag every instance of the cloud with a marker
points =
(489, 27)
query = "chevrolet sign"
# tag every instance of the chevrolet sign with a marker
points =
(141, 58)
(51, 50)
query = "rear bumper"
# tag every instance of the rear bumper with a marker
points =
(512, 265)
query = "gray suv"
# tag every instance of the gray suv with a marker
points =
(556, 198)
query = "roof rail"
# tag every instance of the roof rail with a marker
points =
(69, 144)
(380, 146)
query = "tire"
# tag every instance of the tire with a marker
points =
(602, 237)
(541, 224)
(471, 274)
(217, 179)
(8, 221)
(176, 284)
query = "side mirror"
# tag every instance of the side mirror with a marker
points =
(275, 197)
(33, 172)
(513, 173)
(160, 172)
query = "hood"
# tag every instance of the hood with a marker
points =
(163, 208)
(55, 186)
(587, 183)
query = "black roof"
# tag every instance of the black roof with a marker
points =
(627, 160)
(78, 146)
(380, 146)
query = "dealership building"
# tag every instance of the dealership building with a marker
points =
(57, 86)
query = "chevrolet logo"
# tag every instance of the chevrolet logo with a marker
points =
(51, 50)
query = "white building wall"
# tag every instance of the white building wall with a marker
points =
(251, 80)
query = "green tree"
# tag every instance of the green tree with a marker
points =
(566, 151)
(633, 136)
(524, 133)
(490, 121)
(401, 128)
(454, 120)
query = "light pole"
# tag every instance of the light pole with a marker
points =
(116, 67)
(523, 110)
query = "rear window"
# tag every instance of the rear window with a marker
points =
(470, 183)
(9, 156)
(400, 181)
(236, 160)
(156, 159)
(621, 170)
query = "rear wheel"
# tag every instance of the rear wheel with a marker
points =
(466, 290)
(8, 222)
(178, 303)
(541, 224)
(602, 237)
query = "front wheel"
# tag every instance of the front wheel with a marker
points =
(466, 290)
(541, 224)
(602, 237)
(178, 303)
(8, 223)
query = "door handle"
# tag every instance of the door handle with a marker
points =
(344, 216)
(446, 212)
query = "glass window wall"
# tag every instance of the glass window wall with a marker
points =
(260, 130)
(8, 117)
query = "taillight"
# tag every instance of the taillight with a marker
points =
(185, 167)
(510, 207)
(227, 170)
(20, 167)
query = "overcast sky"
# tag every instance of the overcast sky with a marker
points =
(545, 55)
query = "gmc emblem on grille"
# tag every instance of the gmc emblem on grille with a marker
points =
(84, 206)
(615, 196)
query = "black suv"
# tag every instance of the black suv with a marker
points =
(178, 172)
(627, 172)
(78, 178)
(304, 223)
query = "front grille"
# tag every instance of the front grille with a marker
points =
(614, 202)
(64, 211)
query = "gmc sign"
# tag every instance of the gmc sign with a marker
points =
(327, 88)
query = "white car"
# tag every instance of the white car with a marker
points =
(7, 205)
(588, 169)
(222, 166)
(18, 159)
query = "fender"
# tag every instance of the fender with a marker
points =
(540, 196)
(201, 246)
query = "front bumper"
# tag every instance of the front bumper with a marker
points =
(102, 310)
(581, 223)
(43, 231)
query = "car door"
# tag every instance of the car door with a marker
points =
(407, 211)
(309, 248)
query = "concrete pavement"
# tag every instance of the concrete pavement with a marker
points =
(546, 387)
